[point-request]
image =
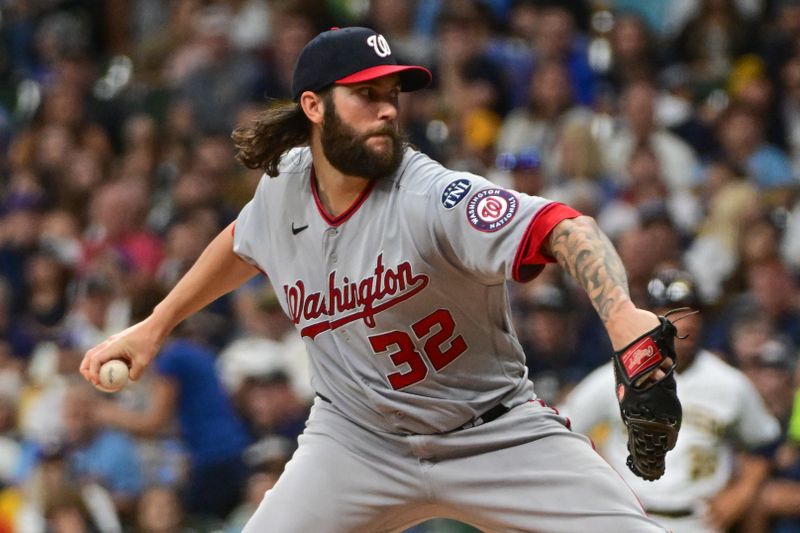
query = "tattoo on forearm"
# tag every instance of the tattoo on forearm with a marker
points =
(589, 257)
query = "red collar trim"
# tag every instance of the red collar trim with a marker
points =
(350, 211)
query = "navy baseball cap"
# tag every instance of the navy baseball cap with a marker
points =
(351, 55)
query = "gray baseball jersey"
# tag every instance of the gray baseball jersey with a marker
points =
(401, 300)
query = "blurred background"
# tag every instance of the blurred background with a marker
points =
(675, 123)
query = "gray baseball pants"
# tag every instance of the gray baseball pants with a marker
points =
(525, 471)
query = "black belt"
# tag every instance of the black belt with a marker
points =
(492, 414)
(677, 513)
(323, 398)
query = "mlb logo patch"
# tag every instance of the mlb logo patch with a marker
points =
(491, 209)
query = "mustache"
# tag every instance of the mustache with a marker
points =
(383, 130)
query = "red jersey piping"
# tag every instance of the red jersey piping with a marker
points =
(350, 211)
(529, 253)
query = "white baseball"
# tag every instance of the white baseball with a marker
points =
(113, 375)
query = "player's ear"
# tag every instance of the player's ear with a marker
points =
(313, 106)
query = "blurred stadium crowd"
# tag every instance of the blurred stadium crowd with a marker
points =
(675, 123)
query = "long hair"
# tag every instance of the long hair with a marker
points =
(281, 127)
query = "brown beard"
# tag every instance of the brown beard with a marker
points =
(348, 152)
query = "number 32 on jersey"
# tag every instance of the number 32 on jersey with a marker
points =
(440, 347)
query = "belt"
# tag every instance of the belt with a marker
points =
(323, 398)
(492, 414)
(675, 513)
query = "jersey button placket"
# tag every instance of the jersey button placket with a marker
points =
(330, 245)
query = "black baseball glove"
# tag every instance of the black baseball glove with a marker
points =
(651, 410)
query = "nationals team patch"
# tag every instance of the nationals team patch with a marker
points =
(491, 209)
(455, 192)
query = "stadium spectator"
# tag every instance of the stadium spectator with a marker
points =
(550, 105)
(266, 343)
(644, 190)
(773, 371)
(557, 41)
(293, 27)
(740, 133)
(51, 499)
(466, 74)
(676, 159)
(160, 511)
(554, 337)
(97, 455)
(791, 108)
(770, 290)
(578, 171)
(226, 76)
(187, 389)
(116, 233)
(634, 55)
(266, 460)
(713, 38)
(731, 204)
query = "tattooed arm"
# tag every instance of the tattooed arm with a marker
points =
(586, 253)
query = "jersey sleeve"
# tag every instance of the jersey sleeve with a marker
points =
(755, 426)
(252, 230)
(251, 227)
(493, 232)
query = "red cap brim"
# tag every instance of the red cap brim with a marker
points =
(412, 77)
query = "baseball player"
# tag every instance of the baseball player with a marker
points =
(393, 270)
(704, 489)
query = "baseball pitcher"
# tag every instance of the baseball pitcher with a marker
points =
(393, 270)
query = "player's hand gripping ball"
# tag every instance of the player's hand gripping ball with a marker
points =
(113, 375)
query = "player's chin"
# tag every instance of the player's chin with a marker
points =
(381, 144)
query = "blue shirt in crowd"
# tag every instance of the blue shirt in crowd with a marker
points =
(211, 430)
(771, 168)
(110, 459)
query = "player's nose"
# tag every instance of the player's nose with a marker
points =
(387, 111)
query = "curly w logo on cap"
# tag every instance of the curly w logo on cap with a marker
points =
(351, 55)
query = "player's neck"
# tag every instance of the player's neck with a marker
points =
(337, 191)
